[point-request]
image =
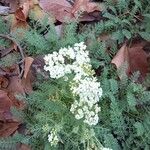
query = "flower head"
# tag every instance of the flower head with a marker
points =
(52, 137)
(85, 88)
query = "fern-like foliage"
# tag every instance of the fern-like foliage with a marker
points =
(125, 106)
(126, 110)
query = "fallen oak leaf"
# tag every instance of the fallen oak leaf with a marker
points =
(135, 57)
(14, 86)
(36, 68)
(138, 60)
(61, 9)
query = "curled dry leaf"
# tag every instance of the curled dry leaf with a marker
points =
(22, 12)
(27, 77)
(135, 57)
(121, 56)
(28, 62)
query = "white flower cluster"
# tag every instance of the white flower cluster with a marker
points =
(88, 90)
(84, 86)
(83, 110)
(56, 65)
(52, 137)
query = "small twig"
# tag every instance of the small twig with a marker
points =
(128, 13)
(138, 18)
(4, 52)
(19, 48)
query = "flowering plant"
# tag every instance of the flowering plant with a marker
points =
(85, 88)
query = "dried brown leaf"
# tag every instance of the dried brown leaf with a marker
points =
(28, 62)
(22, 12)
(135, 57)
(121, 56)
(61, 9)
